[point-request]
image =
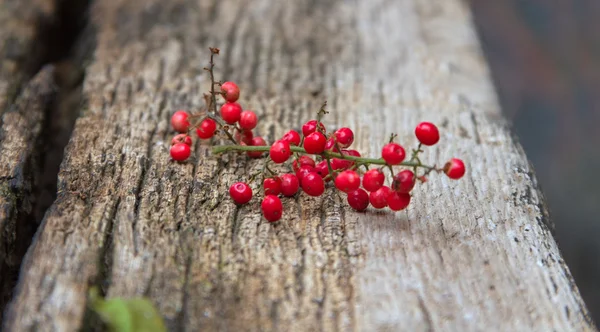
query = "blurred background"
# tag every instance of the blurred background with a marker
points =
(545, 61)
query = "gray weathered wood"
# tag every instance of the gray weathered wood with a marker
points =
(469, 255)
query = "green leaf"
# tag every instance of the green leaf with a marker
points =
(127, 315)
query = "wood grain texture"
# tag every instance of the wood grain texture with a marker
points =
(469, 255)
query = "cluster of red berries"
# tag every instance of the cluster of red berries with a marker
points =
(362, 179)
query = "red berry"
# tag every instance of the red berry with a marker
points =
(240, 192)
(230, 91)
(272, 208)
(455, 168)
(231, 112)
(358, 199)
(257, 141)
(393, 153)
(427, 133)
(180, 122)
(206, 129)
(313, 184)
(182, 138)
(322, 169)
(404, 181)
(330, 145)
(398, 201)
(289, 185)
(280, 151)
(315, 143)
(292, 137)
(303, 161)
(379, 197)
(244, 136)
(352, 153)
(303, 171)
(373, 180)
(248, 120)
(347, 181)
(311, 126)
(344, 137)
(272, 186)
(180, 151)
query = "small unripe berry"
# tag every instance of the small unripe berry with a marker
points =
(230, 91)
(292, 137)
(206, 129)
(313, 184)
(240, 192)
(180, 122)
(393, 153)
(289, 185)
(257, 141)
(280, 151)
(272, 186)
(272, 208)
(358, 199)
(455, 169)
(315, 143)
(182, 138)
(373, 180)
(344, 137)
(347, 181)
(248, 120)
(231, 112)
(398, 201)
(180, 151)
(404, 181)
(311, 126)
(379, 197)
(427, 133)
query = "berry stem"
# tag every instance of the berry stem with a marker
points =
(326, 154)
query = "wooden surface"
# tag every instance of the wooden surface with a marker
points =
(469, 255)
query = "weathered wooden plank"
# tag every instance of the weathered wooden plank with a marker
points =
(469, 255)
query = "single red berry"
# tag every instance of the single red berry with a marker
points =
(378, 198)
(398, 201)
(330, 145)
(240, 192)
(231, 112)
(206, 129)
(341, 164)
(347, 181)
(230, 91)
(315, 143)
(427, 133)
(244, 136)
(404, 181)
(180, 151)
(311, 126)
(182, 138)
(313, 184)
(352, 153)
(272, 186)
(455, 168)
(180, 122)
(303, 171)
(280, 151)
(292, 137)
(373, 180)
(289, 185)
(344, 137)
(303, 161)
(393, 153)
(272, 208)
(358, 199)
(257, 141)
(322, 169)
(248, 120)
